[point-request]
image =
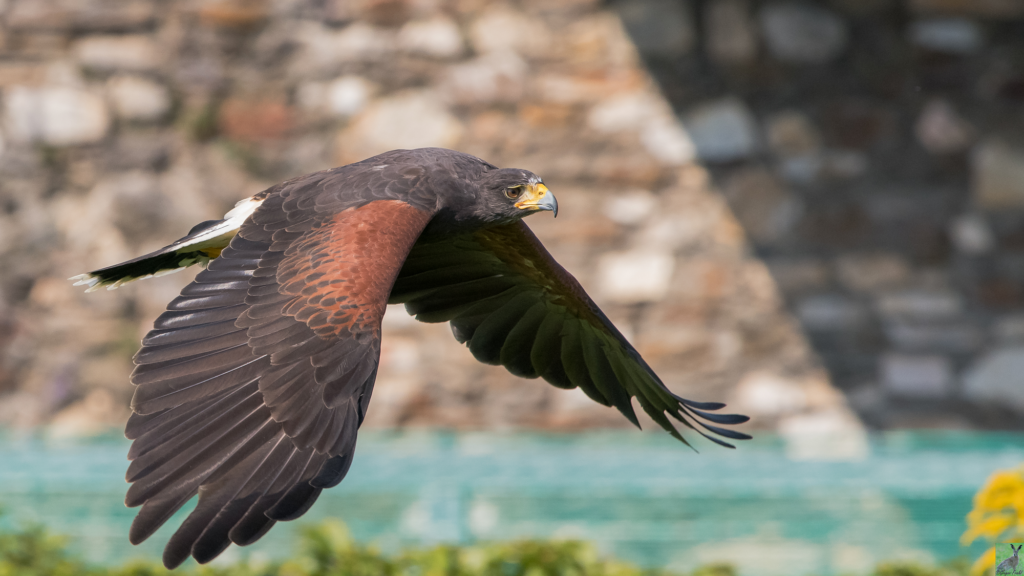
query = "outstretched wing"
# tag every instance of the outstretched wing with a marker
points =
(511, 303)
(251, 387)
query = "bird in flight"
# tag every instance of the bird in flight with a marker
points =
(250, 389)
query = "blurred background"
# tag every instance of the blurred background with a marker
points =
(809, 210)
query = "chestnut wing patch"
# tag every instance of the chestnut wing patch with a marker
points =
(316, 307)
(513, 305)
(341, 273)
(252, 386)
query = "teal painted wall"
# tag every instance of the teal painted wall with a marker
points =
(642, 497)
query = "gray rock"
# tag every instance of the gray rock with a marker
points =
(792, 134)
(998, 379)
(342, 97)
(80, 15)
(57, 115)
(843, 164)
(831, 313)
(438, 37)
(494, 77)
(502, 29)
(920, 304)
(934, 337)
(630, 208)
(941, 130)
(795, 275)
(634, 277)
(411, 119)
(133, 53)
(730, 34)
(666, 140)
(138, 98)
(998, 175)
(722, 130)
(624, 112)
(926, 376)
(660, 28)
(971, 234)
(1010, 329)
(769, 395)
(870, 272)
(763, 204)
(325, 50)
(1004, 9)
(953, 35)
(803, 33)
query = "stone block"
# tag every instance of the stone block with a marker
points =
(920, 304)
(659, 28)
(626, 112)
(132, 53)
(763, 205)
(722, 130)
(941, 130)
(951, 35)
(238, 14)
(80, 15)
(768, 395)
(596, 89)
(942, 337)
(502, 29)
(325, 50)
(796, 275)
(631, 207)
(492, 78)
(870, 272)
(1009, 329)
(997, 174)
(831, 313)
(137, 98)
(924, 377)
(255, 120)
(704, 281)
(56, 115)
(800, 33)
(667, 141)
(438, 37)
(411, 119)
(730, 33)
(342, 97)
(996, 379)
(971, 234)
(792, 134)
(996, 9)
(634, 277)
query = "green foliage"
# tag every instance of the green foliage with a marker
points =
(34, 552)
(959, 567)
(329, 550)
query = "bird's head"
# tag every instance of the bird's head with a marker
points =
(511, 193)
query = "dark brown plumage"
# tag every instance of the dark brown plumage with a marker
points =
(252, 385)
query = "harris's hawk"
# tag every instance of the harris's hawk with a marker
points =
(252, 385)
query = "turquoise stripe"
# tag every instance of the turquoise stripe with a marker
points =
(642, 497)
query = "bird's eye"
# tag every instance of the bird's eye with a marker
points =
(513, 192)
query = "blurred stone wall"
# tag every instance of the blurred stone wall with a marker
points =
(873, 150)
(125, 122)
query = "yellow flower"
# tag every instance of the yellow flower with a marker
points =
(998, 516)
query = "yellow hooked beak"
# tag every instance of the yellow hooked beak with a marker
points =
(538, 197)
